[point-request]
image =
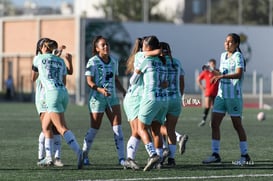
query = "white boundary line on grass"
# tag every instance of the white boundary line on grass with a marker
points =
(189, 178)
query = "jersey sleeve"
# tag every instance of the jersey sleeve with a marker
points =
(178, 62)
(239, 60)
(90, 67)
(116, 65)
(222, 58)
(201, 75)
(143, 65)
(35, 64)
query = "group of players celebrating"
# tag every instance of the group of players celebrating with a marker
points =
(152, 103)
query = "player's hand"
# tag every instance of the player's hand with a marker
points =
(68, 57)
(106, 93)
(62, 47)
(215, 78)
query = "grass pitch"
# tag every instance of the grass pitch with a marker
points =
(20, 127)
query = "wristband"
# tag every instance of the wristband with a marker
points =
(95, 87)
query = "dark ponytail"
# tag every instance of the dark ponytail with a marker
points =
(166, 50)
(237, 40)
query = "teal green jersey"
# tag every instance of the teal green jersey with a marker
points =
(51, 70)
(154, 74)
(137, 89)
(175, 70)
(103, 74)
(230, 88)
(131, 102)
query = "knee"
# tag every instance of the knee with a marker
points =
(215, 125)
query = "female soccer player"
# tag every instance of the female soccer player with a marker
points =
(229, 99)
(132, 100)
(51, 70)
(153, 102)
(41, 108)
(102, 78)
(175, 90)
(210, 89)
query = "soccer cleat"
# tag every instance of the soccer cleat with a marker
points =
(182, 143)
(202, 123)
(158, 165)
(165, 154)
(121, 161)
(47, 161)
(130, 163)
(58, 162)
(171, 162)
(244, 160)
(214, 158)
(152, 161)
(85, 158)
(40, 159)
(80, 160)
(86, 161)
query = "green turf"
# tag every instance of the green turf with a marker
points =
(20, 127)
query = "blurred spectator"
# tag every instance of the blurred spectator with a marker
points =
(9, 88)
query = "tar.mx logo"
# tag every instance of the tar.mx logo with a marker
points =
(189, 101)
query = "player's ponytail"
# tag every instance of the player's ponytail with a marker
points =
(166, 50)
(130, 62)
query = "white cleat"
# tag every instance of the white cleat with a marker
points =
(244, 160)
(182, 143)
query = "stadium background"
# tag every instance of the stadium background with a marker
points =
(194, 45)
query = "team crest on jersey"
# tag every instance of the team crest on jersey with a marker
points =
(232, 62)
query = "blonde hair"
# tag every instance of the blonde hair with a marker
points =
(130, 62)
